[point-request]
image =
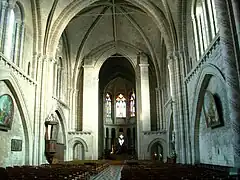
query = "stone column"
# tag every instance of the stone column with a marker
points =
(162, 107)
(41, 107)
(21, 43)
(109, 139)
(158, 104)
(236, 12)
(206, 21)
(74, 109)
(49, 80)
(3, 19)
(71, 105)
(231, 75)
(177, 114)
(55, 79)
(90, 104)
(37, 110)
(16, 45)
(105, 139)
(145, 94)
(196, 37)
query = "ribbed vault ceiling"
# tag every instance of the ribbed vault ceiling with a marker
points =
(112, 21)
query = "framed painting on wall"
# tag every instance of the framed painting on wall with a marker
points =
(6, 112)
(16, 145)
(211, 110)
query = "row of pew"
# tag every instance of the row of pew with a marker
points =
(66, 171)
(164, 171)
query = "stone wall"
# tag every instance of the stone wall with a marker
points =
(149, 139)
(86, 140)
(211, 146)
(8, 157)
(215, 144)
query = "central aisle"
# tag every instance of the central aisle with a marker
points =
(113, 172)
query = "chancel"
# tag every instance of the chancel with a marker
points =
(89, 87)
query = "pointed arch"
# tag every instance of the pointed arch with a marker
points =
(73, 8)
(206, 73)
(17, 93)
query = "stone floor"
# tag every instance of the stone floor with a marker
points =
(113, 172)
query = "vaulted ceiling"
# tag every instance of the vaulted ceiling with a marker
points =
(114, 22)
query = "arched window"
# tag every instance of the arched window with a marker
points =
(108, 104)
(121, 106)
(132, 105)
(14, 34)
(9, 43)
(204, 25)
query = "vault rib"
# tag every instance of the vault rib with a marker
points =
(114, 22)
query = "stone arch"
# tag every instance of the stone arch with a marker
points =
(72, 144)
(14, 87)
(163, 144)
(72, 9)
(82, 155)
(73, 141)
(62, 119)
(193, 7)
(56, 110)
(121, 50)
(101, 53)
(206, 73)
(21, 6)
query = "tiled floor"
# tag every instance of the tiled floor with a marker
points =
(113, 172)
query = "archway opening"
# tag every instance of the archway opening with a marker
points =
(117, 110)
(78, 151)
(61, 139)
(157, 151)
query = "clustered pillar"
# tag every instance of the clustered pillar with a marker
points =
(230, 73)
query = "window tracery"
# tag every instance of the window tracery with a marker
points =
(121, 106)
(14, 34)
(108, 105)
(204, 25)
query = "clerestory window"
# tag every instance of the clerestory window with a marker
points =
(121, 106)
(204, 25)
(108, 105)
(14, 34)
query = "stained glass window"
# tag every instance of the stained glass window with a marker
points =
(108, 104)
(132, 105)
(121, 106)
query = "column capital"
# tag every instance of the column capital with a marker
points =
(75, 90)
(11, 5)
(52, 60)
(143, 65)
(174, 55)
(158, 89)
(143, 58)
(37, 56)
(88, 66)
(5, 4)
